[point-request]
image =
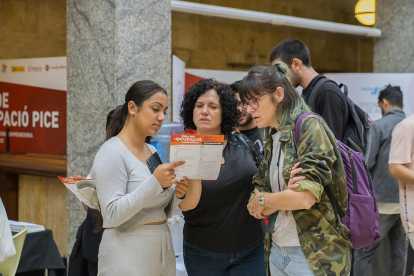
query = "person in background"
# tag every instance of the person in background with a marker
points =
(134, 201)
(401, 167)
(331, 102)
(7, 248)
(303, 238)
(220, 237)
(390, 100)
(247, 125)
(84, 257)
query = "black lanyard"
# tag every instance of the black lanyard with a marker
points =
(278, 162)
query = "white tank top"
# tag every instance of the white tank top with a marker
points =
(284, 233)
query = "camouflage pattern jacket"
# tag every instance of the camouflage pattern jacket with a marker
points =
(325, 244)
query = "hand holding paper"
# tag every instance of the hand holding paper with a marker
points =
(83, 189)
(165, 173)
(181, 187)
(202, 155)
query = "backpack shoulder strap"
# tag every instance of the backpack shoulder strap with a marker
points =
(345, 88)
(250, 146)
(328, 191)
(315, 91)
(335, 205)
(298, 124)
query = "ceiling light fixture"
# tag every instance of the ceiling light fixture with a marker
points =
(276, 19)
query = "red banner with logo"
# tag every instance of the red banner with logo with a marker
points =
(34, 117)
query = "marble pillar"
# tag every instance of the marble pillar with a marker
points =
(394, 51)
(110, 45)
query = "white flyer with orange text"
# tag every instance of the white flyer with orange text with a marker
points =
(202, 155)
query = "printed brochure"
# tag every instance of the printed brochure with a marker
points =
(83, 189)
(202, 155)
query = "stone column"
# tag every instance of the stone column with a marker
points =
(394, 51)
(110, 45)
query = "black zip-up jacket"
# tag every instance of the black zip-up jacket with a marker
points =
(331, 104)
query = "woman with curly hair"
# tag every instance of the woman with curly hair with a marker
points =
(220, 237)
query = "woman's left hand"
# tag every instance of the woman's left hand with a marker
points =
(293, 178)
(255, 209)
(181, 187)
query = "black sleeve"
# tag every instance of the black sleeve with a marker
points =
(332, 108)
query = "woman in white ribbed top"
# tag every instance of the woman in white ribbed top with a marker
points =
(134, 203)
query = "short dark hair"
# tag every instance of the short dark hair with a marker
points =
(392, 94)
(235, 86)
(228, 102)
(289, 49)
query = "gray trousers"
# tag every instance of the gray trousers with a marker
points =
(141, 250)
(391, 228)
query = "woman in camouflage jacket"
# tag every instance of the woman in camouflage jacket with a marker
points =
(319, 246)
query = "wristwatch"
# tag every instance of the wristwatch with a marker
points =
(261, 200)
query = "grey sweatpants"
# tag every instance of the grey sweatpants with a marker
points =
(390, 227)
(141, 250)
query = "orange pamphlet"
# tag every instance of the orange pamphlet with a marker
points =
(202, 155)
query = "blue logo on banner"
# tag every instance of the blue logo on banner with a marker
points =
(373, 90)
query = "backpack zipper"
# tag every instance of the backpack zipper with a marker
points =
(370, 184)
(353, 172)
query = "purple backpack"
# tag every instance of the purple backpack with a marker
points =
(362, 218)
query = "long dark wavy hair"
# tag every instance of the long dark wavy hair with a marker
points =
(228, 102)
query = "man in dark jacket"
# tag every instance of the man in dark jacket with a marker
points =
(330, 101)
(390, 101)
(247, 125)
